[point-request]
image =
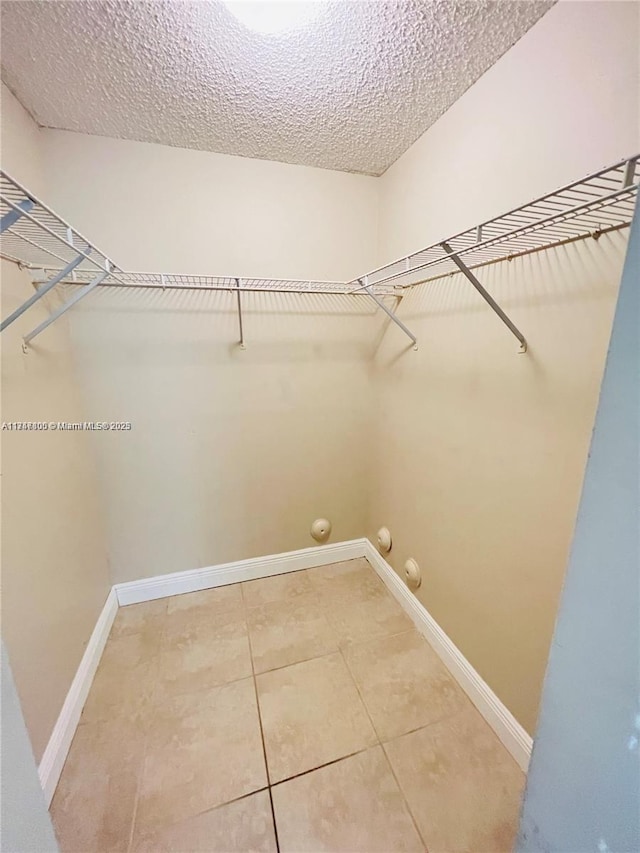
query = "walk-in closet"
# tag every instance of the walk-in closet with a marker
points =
(320, 433)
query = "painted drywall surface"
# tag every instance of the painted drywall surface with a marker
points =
(25, 824)
(563, 102)
(54, 559)
(20, 143)
(160, 209)
(583, 788)
(232, 453)
(482, 451)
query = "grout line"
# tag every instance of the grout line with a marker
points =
(324, 606)
(296, 662)
(264, 748)
(325, 764)
(273, 817)
(134, 817)
(447, 716)
(381, 745)
(380, 637)
(404, 797)
(209, 809)
(361, 697)
(338, 649)
(143, 763)
(300, 600)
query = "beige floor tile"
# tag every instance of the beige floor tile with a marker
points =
(358, 621)
(148, 617)
(125, 680)
(197, 614)
(288, 631)
(218, 601)
(461, 784)
(311, 714)
(204, 655)
(339, 570)
(354, 806)
(293, 585)
(203, 749)
(244, 826)
(352, 580)
(403, 683)
(93, 807)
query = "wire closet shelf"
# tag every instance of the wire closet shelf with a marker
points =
(38, 239)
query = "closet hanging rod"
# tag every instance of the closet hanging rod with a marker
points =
(594, 235)
(592, 208)
(593, 204)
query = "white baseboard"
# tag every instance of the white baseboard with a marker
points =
(60, 741)
(501, 720)
(160, 586)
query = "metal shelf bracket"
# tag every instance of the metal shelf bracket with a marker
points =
(12, 216)
(240, 328)
(77, 296)
(464, 269)
(388, 312)
(629, 172)
(41, 291)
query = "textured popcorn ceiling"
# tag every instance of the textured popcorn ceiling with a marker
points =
(351, 91)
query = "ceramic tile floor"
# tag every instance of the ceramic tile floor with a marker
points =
(295, 713)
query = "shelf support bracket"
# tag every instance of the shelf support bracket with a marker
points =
(12, 217)
(241, 330)
(629, 172)
(388, 311)
(77, 296)
(464, 269)
(41, 291)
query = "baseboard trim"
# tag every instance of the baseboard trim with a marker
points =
(508, 729)
(57, 749)
(161, 586)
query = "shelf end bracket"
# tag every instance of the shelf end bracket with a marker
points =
(45, 288)
(464, 269)
(241, 342)
(365, 286)
(80, 294)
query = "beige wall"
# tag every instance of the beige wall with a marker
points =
(55, 575)
(482, 451)
(156, 208)
(232, 453)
